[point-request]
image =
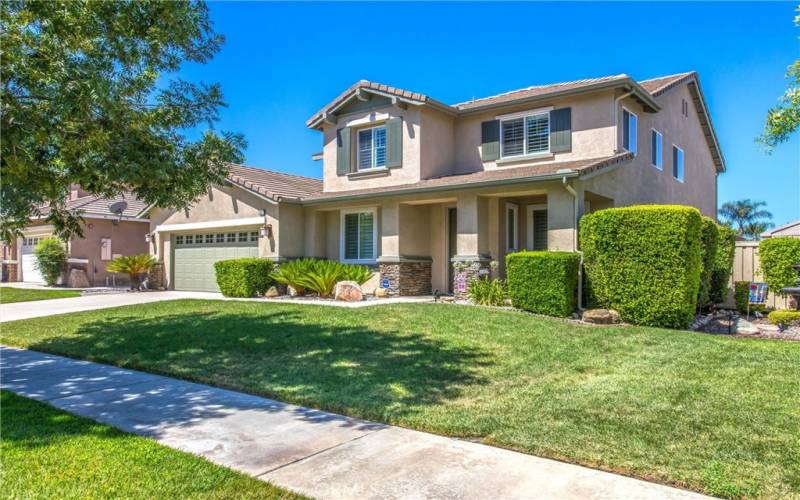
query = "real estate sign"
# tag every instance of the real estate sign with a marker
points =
(758, 293)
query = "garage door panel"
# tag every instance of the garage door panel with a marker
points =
(194, 264)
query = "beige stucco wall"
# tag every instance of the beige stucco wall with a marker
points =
(437, 154)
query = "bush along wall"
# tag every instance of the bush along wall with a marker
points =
(776, 257)
(723, 264)
(708, 257)
(543, 282)
(645, 262)
(245, 277)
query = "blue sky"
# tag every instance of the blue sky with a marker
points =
(284, 61)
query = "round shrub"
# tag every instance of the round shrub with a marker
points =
(645, 262)
(723, 264)
(543, 282)
(244, 277)
(708, 257)
(51, 257)
(776, 257)
(784, 318)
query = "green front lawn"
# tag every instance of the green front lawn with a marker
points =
(713, 413)
(9, 294)
(48, 453)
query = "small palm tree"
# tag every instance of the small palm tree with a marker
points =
(747, 217)
(132, 265)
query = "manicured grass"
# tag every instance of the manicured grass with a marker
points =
(9, 294)
(48, 453)
(712, 413)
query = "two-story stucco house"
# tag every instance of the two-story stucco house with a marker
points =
(414, 186)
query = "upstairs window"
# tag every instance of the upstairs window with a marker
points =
(525, 135)
(677, 162)
(358, 236)
(656, 149)
(372, 148)
(629, 130)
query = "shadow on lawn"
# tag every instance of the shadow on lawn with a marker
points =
(285, 355)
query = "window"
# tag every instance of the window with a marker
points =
(684, 107)
(525, 135)
(677, 162)
(209, 238)
(372, 148)
(254, 236)
(512, 227)
(179, 240)
(629, 130)
(105, 248)
(220, 237)
(537, 227)
(656, 153)
(242, 237)
(189, 239)
(358, 235)
(231, 238)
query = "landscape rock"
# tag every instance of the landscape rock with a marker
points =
(78, 279)
(272, 292)
(348, 291)
(601, 316)
(381, 292)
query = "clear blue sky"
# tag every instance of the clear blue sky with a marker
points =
(283, 61)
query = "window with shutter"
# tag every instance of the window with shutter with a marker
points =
(525, 135)
(656, 153)
(371, 148)
(358, 236)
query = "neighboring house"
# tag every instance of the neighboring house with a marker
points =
(791, 229)
(431, 193)
(105, 236)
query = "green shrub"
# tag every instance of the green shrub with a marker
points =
(244, 277)
(644, 261)
(357, 273)
(291, 272)
(319, 275)
(741, 297)
(543, 282)
(322, 277)
(723, 264)
(784, 318)
(132, 265)
(487, 292)
(51, 257)
(776, 257)
(708, 257)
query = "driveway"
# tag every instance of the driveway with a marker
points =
(316, 453)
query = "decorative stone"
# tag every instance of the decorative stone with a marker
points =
(601, 316)
(381, 292)
(406, 275)
(272, 292)
(467, 270)
(291, 291)
(155, 277)
(348, 291)
(78, 278)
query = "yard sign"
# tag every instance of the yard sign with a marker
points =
(758, 293)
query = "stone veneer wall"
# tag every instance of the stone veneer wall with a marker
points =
(155, 278)
(466, 271)
(407, 277)
(9, 272)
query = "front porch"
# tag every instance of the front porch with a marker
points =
(428, 243)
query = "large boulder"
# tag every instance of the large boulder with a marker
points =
(272, 292)
(348, 291)
(601, 316)
(78, 279)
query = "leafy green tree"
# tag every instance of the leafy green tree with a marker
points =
(784, 119)
(747, 217)
(87, 98)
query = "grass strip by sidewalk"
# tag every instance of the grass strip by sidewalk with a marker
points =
(708, 412)
(48, 453)
(10, 295)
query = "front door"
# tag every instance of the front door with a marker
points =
(452, 246)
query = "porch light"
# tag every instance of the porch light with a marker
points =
(147, 238)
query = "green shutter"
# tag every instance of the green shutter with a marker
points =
(394, 142)
(561, 130)
(342, 151)
(490, 140)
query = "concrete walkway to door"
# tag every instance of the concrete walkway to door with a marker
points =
(320, 454)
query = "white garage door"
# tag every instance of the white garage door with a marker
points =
(29, 272)
(194, 256)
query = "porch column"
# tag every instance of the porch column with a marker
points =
(472, 241)
(405, 262)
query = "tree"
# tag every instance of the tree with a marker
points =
(747, 217)
(784, 119)
(51, 257)
(85, 99)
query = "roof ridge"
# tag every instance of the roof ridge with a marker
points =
(250, 167)
(686, 73)
(555, 84)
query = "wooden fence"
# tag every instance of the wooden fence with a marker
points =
(746, 268)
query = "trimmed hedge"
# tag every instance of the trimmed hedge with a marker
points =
(776, 257)
(644, 261)
(244, 277)
(784, 318)
(708, 257)
(543, 282)
(723, 264)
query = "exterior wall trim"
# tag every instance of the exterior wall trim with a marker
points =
(215, 224)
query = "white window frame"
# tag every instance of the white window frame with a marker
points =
(342, 214)
(531, 209)
(660, 158)
(635, 136)
(683, 164)
(373, 156)
(525, 115)
(512, 246)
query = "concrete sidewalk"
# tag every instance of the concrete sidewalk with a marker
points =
(316, 453)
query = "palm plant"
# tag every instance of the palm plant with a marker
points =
(132, 265)
(747, 217)
(359, 274)
(292, 272)
(322, 277)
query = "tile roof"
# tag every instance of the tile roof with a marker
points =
(98, 205)
(275, 185)
(474, 179)
(658, 86)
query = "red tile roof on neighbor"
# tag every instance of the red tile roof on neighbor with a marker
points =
(477, 179)
(96, 205)
(274, 185)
